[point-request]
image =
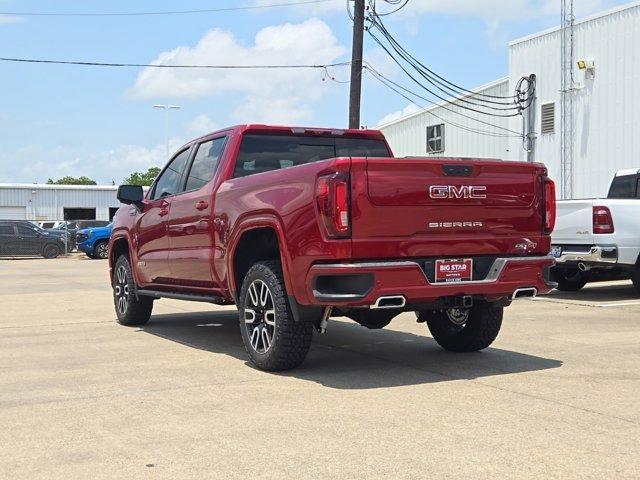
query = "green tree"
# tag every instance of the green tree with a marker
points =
(144, 179)
(69, 180)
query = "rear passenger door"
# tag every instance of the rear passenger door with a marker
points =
(151, 223)
(191, 231)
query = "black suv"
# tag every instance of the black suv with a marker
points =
(22, 238)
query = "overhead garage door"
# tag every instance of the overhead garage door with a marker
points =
(13, 213)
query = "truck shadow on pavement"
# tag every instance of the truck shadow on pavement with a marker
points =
(600, 293)
(349, 356)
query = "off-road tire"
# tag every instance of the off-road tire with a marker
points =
(101, 250)
(372, 319)
(290, 339)
(138, 308)
(570, 280)
(51, 251)
(479, 331)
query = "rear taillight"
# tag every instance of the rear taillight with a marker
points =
(333, 199)
(549, 205)
(602, 220)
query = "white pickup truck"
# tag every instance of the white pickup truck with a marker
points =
(599, 239)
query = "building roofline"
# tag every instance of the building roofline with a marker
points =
(44, 186)
(587, 19)
(479, 89)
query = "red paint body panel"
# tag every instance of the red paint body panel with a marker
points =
(180, 245)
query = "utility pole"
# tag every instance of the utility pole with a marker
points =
(531, 119)
(356, 64)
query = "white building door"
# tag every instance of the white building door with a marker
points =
(13, 213)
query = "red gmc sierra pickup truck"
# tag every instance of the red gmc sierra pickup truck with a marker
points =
(295, 225)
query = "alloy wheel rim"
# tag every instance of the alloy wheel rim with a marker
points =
(259, 316)
(121, 290)
(103, 250)
(458, 316)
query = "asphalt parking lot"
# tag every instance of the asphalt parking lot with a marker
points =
(82, 397)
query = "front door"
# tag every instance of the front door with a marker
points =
(153, 242)
(30, 242)
(190, 221)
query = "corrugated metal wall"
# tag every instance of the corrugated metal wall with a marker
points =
(408, 136)
(607, 108)
(47, 203)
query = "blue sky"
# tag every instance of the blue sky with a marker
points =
(60, 120)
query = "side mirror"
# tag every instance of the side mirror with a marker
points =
(131, 195)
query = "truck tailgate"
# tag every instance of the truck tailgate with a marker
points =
(446, 207)
(574, 222)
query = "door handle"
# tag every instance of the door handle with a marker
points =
(163, 213)
(201, 205)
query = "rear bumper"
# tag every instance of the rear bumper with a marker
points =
(588, 254)
(407, 279)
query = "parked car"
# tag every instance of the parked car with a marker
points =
(94, 241)
(73, 226)
(599, 239)
(295, 225)
(22, 238)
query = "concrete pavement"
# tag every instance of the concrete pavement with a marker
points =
(82, 397)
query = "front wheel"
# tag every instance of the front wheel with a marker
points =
(131, 310)
(273, 339)
(101, 250)
(51, 251)
(464, 329)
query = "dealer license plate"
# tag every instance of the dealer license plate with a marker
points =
(450, 271)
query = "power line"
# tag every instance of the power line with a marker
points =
(160, 65)
(443, 99)
(174, 12)
(396, 87)
(424, 70)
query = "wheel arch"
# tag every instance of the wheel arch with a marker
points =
(257, 239)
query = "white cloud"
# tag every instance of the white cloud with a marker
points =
(10, 19)
(35, 163)
(284, 95)
(201, 125)
(408, 110)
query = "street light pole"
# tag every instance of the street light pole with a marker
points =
(166, 109)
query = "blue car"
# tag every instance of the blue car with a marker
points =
(94, 241)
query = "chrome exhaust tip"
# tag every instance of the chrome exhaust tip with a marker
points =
(392, 301)
(583, 267)
(524, 293)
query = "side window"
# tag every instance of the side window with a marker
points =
(623, 187)
(26, 231)
(169, 181)
(6, 230)
(435, 138)
(205, 163)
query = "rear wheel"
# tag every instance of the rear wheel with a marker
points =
(130, 309)
(51, 251)
(570, 279)
(272, 338)
(464, 329)
(101, 250)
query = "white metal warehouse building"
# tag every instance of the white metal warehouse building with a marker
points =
(605, 100)
(57, 202)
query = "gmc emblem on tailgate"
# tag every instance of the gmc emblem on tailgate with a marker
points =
(452, 191)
